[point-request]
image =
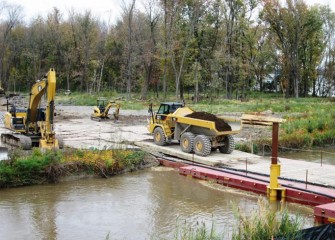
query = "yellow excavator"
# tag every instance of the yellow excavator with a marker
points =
(33, 127)
(101, 111)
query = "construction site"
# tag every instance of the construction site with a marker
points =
(196, 144)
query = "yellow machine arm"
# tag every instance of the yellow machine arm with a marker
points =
(34, 121)
(117, 109)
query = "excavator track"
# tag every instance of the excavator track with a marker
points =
(17, 140)
(101, 119)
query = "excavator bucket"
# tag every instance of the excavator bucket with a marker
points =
(45, 145)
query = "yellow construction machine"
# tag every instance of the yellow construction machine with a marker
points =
(33, 126)
(197, 132)
(101, 111)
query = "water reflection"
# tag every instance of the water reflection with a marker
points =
(3, 153)
(317, 155)
(142, 205)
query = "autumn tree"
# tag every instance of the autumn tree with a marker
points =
(324, 83)
(298, 31)
(11, 15)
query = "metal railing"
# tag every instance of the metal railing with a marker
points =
(321, 153)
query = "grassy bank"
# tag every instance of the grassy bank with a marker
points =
(39, 167)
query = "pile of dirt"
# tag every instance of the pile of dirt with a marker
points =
(220, 124)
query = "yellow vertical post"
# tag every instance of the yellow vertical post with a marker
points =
(274, 191)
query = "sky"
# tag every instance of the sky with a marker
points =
(107, 10)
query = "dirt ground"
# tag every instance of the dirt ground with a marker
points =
(74, 125)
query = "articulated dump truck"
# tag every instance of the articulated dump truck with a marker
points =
(197, 132)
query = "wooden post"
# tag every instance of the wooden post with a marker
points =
(274, 158)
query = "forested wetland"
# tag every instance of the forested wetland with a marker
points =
(226, 48)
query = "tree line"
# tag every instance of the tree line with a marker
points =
(211, 48)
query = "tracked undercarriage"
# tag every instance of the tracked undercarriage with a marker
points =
(17, 140)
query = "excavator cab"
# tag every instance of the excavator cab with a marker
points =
(15, 118)
(101, 104)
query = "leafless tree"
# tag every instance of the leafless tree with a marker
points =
(128, 11)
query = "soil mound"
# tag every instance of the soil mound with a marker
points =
(220, 124)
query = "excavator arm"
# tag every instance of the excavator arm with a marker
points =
(117, 109)
(37, 120)
(37, 91)
(48, 139)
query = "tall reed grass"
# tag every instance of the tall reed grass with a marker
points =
(263, 223)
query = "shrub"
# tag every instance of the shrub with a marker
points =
(49, 166)
(244, 147)
(28, 170)
(129, 159)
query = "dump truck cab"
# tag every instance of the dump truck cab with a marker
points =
(160, 118)
(167, 108)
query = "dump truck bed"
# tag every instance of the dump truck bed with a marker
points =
(200, 126)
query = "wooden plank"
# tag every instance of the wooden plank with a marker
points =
(260, 119)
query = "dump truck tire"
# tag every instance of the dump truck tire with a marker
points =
(202, 145)
(187, 141)
(159, 137)
(229, 145)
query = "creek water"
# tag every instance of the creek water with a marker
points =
(317, 155)
(3, 153)
(147, 204)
